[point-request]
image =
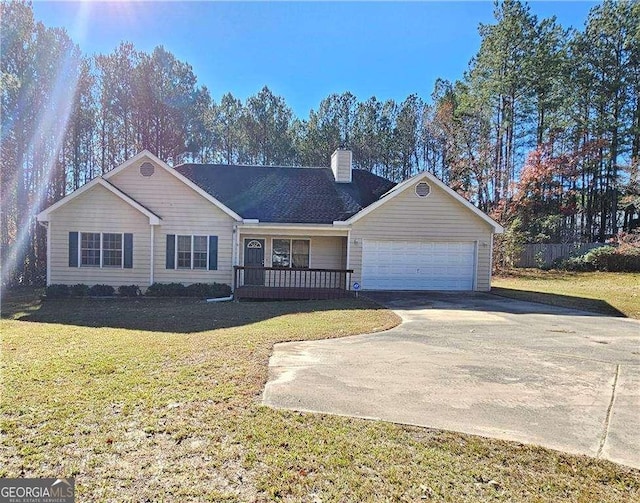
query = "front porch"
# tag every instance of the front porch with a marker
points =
(276, 283)
(293, 262)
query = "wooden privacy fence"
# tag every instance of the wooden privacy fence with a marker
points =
(539, 255)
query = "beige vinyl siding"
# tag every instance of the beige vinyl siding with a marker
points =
(437, 217)
(98, 210)
(328, 252)
(183, 212)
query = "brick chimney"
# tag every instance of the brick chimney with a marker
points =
(341, 165)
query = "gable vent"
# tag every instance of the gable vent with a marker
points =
(423, 189)
(147, 169)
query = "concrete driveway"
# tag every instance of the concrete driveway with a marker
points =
(479, 364)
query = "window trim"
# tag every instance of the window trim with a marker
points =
(80, 264)
(176, 251)
(192, 251)
(291, 240)
(101, 250)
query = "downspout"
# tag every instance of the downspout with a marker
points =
(234, 249)
(153, 258)
(490, 260)
(235, 253)
(475, 265)
(47, 225)
(48, 253)
(348, 258)
(221, 299)
(348, 249)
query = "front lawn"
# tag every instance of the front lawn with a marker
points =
(612, 293)
(158, 400)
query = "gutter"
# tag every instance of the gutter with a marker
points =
(285, 226)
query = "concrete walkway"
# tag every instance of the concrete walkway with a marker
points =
(479, 364)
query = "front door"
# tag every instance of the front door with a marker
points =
(254, 257)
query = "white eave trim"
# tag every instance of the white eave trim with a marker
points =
(146, 154)
(398, 189)
(43, 216)
(287, 226)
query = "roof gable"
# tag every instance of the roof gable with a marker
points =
(401, 187)
(43, 216)
(145, 154)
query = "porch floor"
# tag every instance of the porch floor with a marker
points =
(258, 292)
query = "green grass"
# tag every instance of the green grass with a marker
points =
(158, 400)
(611, 293)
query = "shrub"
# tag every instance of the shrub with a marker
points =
(166, 290)
(545, 266)
(128, 290)
(220, 290)
(605, 258)
(200, 290)
(101, 291)
(622, 261)
(208, 290)
(57, 291)
(598, 257)
(573, 264)
(508, 246)
(79, 290)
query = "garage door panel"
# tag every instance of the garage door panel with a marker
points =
(407, 265)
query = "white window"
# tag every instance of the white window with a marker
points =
(192, 252)
(290, 253)
(184, 252)
(111, 250)
(200, 244)
(90, 249)
(101, 249)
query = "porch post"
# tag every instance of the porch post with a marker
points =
(346, 265)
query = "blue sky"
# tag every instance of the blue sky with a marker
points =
(303, 51)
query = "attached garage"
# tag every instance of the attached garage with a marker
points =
(418, 265)
(421, 235)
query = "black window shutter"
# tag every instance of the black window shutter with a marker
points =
(213, 253)
(73, 249)
(128, 251)
(171, 251)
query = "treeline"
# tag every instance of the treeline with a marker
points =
(543, 130)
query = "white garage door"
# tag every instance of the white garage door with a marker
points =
(414, 265)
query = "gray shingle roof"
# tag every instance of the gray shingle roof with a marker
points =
(287, 195)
